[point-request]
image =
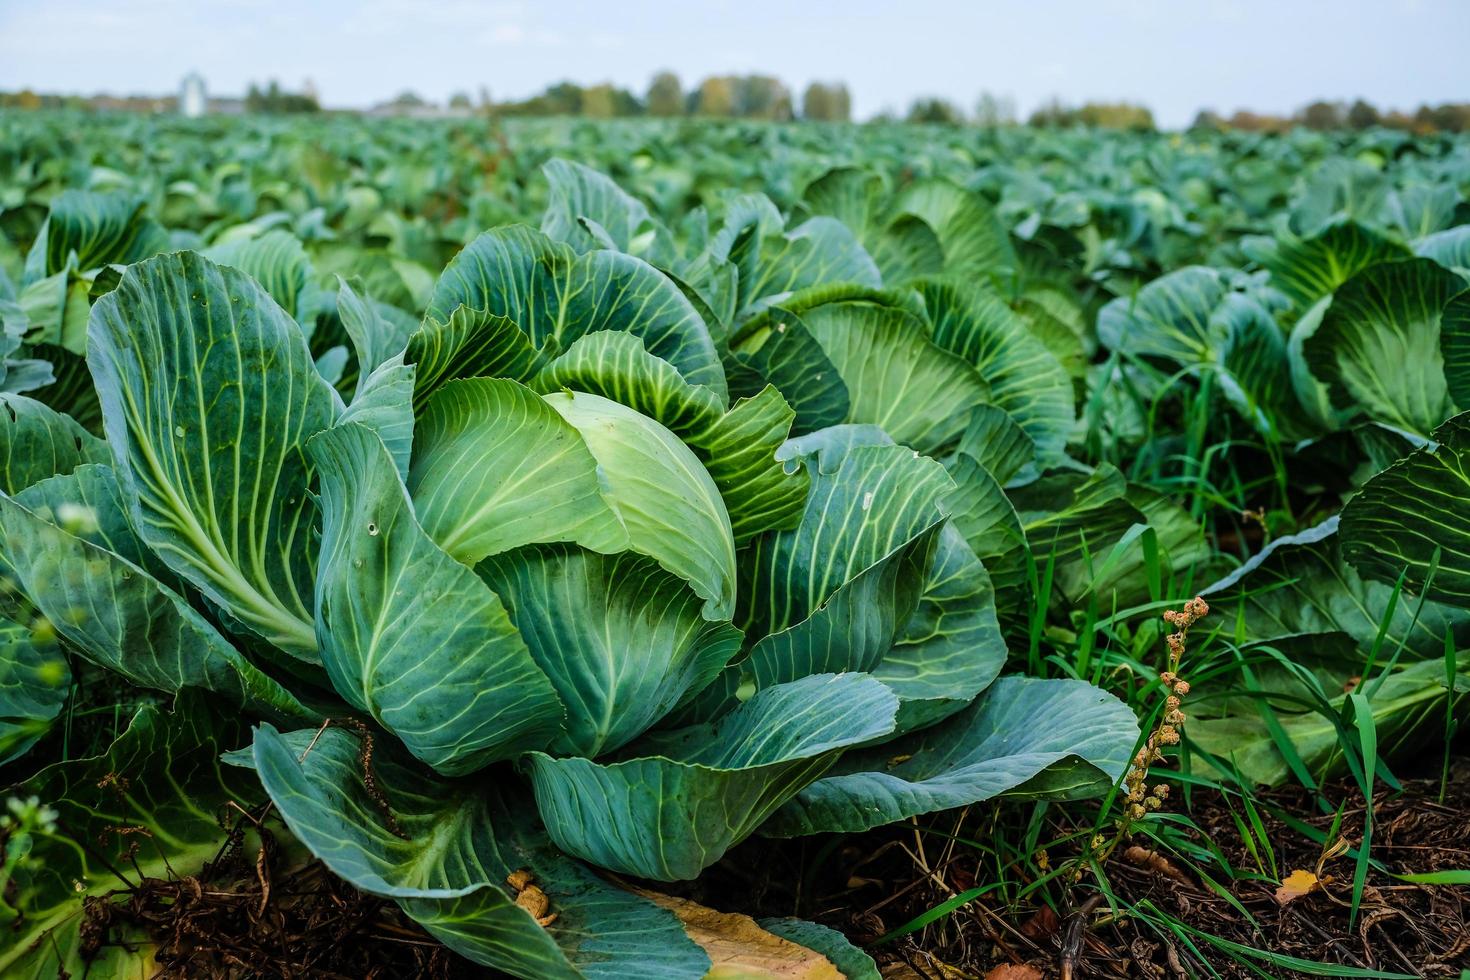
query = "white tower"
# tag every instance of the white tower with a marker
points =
(192, 100)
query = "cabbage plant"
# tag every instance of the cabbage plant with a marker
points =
(569, 577)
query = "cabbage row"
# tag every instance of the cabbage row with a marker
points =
(618, 540)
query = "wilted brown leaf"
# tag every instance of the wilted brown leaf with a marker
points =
(1043, 923)
(1008, 972)
(741, 950)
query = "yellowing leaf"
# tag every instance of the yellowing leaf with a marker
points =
(739, 949)
(1297, 884)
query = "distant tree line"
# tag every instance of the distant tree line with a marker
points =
(766, 97)
(994, 110)
(723, 96)
(1449, 117)
(28, 99)
(1107, 115)
(274, 99)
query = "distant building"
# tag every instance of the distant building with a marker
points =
(410, 105)
(193, 102)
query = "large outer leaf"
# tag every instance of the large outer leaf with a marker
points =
(163, 775)
(951, 648)
(1417, 506)
(88, 503)
(897, 378)
(1450, 248)
(37, 442)
(1338, 188)
(833, 594)
(468, 343)
(208, 397)
(1055, 317)
(1414, 210)
(664, 497)
(902, 248)
(384, 403)
(111, 610)
(617, 366)
(706, 787)
(407, 633)
(739, 451)
(854, 627)
(1072, 520)
(556, 296)
(100, 228)
(853, 962)
(496, 467)
(1306, 269)
(622, 640)
(19, 374)
(997, 443)
(850, 194)
(1257, 368)
(1169, 317)
(1301, 584)
(56, 310)
(1064, 738)
(819, 251)
(1388, 314)
(865, 502)
(377, 334)
(277, 261)
(1408, 708)
(34, 683)
(449, 870)
(975, 242)
(1311, 393)
(579, 192)
(983, 513)
(1025, 378)
(786, 355)
(1454, 346)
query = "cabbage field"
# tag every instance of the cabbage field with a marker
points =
(667, 549)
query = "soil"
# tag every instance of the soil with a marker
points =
(254, 913)
(1402, 928)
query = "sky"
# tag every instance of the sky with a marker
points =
(1174, 56)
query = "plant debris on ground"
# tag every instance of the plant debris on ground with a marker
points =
(881, 883)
